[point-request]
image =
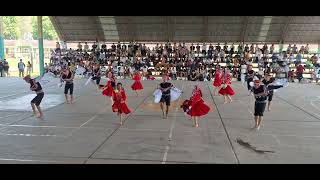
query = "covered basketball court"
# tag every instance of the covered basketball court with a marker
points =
(86, 131)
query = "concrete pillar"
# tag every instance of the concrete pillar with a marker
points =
(1, 39)
(40, 45)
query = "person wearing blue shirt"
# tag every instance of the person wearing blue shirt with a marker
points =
(298, 58)
(21, 67)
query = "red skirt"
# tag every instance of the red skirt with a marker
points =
(108, 91)
(136, 86)
(199, 109)
(217, 82)
(120, 107)
(227, 91)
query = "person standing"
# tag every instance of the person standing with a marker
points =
(68, 76)
(35, 102)
(165, 88)
(6, 67)
(260, 95)
(29, 68)
(21, 67)
(1, 68)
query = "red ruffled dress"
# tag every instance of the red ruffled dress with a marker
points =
(137, 85)
(109, 89)
(119, 102)
(198, 106)
(227, 90)
(217, 79)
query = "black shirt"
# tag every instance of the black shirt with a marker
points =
(193, 77)
(165, 85)
(265, 82)
(250, 74)
(260, 89)
(67, 77)
(33, 82)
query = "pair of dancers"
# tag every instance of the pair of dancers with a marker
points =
(263, 92)
(117, 94)
(195, 106)
(222, 83)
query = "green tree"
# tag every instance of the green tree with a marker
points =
(49, 33)
(10, 27)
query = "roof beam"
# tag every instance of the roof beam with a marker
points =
(99, 30)
(285, 28)
(57, 27)
(244, 28)
(205, 28)
(168, 28)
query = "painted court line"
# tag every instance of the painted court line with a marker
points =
(164, 159)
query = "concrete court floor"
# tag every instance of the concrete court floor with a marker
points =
(86, 132)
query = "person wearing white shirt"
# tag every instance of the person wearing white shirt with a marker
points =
(256, 48)
(121, 71)
(291, 58)
(258, 54)
(222, 53)
(86, 46)
(21, 67)
(174, 72)
(79, 47)
(204, 49)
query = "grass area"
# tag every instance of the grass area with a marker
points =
(13, 66)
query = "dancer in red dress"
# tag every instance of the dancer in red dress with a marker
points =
(217, 80)
(107, 90)
(136, 86)
(226, 89)
(119, 99)
(197, 106)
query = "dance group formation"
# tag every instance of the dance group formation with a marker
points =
(195, 107)
(173, 62)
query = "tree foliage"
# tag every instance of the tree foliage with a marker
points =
(10, 27)
(16, 27)
(49, 33)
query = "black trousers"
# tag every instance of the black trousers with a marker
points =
(37, 100)
(67, 87)
(259, 108)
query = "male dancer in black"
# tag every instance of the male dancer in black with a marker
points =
(268, 81)
(35, 102)
(260, 94)
(96, 74)
(165, 88)
(68, 76)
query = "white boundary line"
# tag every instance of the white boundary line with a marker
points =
(164, 159)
